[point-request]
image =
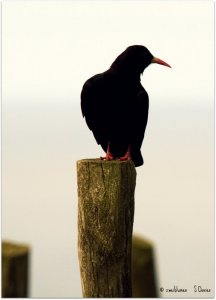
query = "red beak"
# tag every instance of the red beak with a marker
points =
(160, 62)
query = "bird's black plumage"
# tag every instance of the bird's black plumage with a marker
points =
(115, 104)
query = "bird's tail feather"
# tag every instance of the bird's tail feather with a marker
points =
(137, 157)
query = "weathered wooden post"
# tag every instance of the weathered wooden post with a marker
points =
(15, 261)
(144, 279)
(105, 224)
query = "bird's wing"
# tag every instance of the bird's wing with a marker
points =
(95, 107)
(141, 113)
(139, 125)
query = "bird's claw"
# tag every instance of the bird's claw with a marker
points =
(124, 158)
(127, 155)
(107, 157)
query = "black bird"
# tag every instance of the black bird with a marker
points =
(115, 105)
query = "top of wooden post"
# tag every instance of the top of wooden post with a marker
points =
(13, 249)
(101, 168)
(106, 162)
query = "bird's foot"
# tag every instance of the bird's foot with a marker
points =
(127, 155)
(108, 156)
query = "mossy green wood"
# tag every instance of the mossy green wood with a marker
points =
(105, 224)
(15, 259)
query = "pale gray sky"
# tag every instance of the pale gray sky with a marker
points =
(52, 47)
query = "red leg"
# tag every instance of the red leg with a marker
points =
(127, 155)
(109, 155)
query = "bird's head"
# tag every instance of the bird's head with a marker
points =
(135, 59)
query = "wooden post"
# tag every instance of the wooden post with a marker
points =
(143, 269)
(105, 224)
(14, 270)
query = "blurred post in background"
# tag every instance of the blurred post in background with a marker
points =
(15, 270)
(144, 279)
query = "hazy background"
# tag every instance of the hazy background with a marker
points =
(49, 49)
